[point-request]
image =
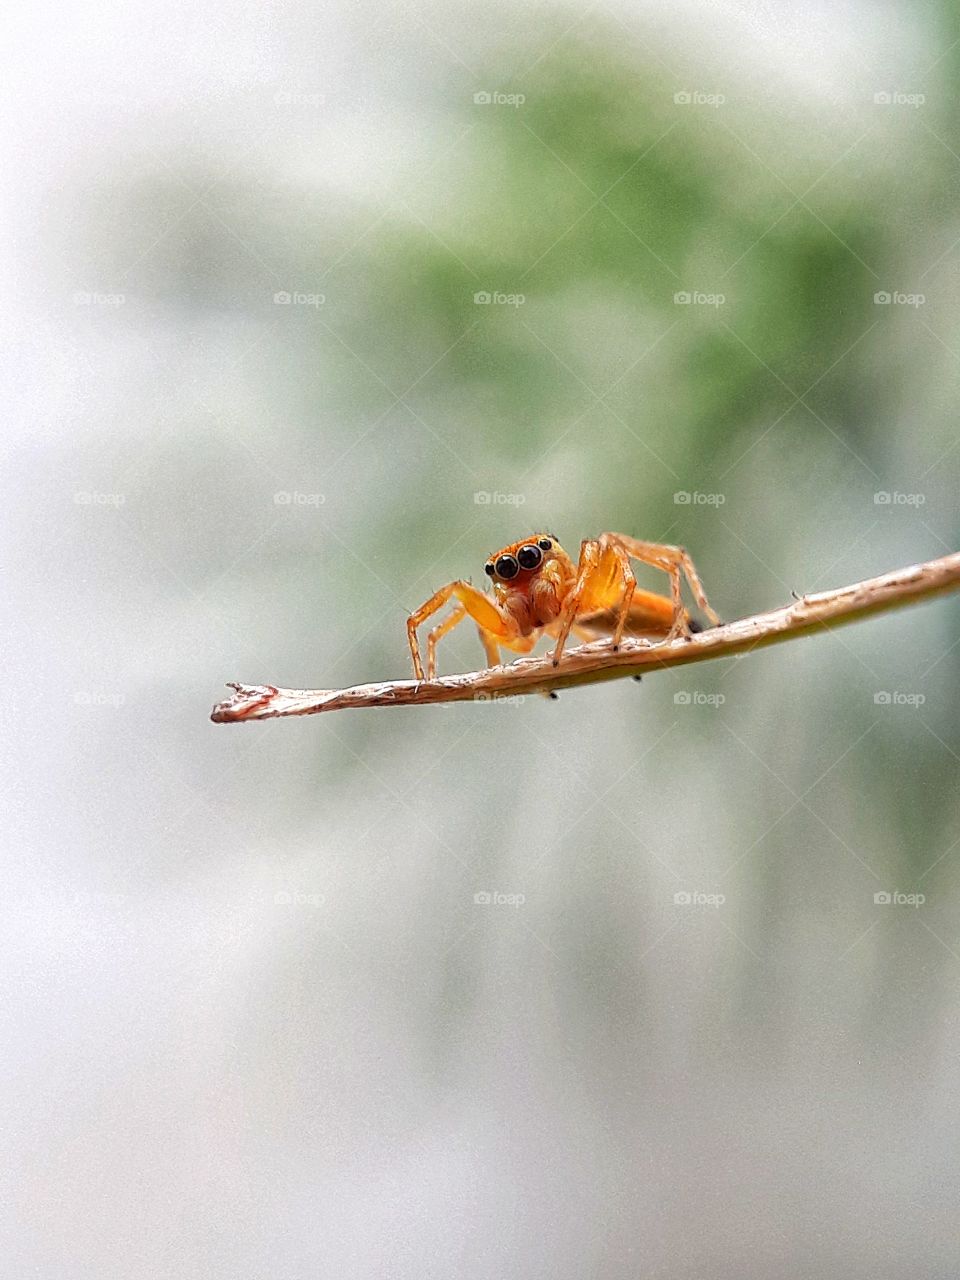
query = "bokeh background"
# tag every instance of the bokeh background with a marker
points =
(255, 1022)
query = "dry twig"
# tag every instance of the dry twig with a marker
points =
(594, 662)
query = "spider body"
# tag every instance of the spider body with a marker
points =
(537, 589)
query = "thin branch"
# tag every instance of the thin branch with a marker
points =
(593, 662)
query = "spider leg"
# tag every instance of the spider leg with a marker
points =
(485, 612)
(605, 582)
(437, 633)
(587, 572)
(673, 561)
(614, 587)
(490, 647)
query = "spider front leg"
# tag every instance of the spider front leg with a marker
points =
(436, 634)
(489, 642)
(486, 613)
(604, 580)
(673, 561)
(586, 568)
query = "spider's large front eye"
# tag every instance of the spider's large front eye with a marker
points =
(507, 567)
(529, 556)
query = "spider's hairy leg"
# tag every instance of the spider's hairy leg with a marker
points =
(605, 581)
(436, 634)
(673, 561)
(587, 570)
(485, 612)
(490, 647)
(612, 587)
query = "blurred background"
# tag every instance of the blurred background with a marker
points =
(308, 309)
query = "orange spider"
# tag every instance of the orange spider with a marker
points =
(537, 590)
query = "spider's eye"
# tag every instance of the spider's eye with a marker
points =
(529, 556)
(507, 567)
(544, 544)
(489, 569)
